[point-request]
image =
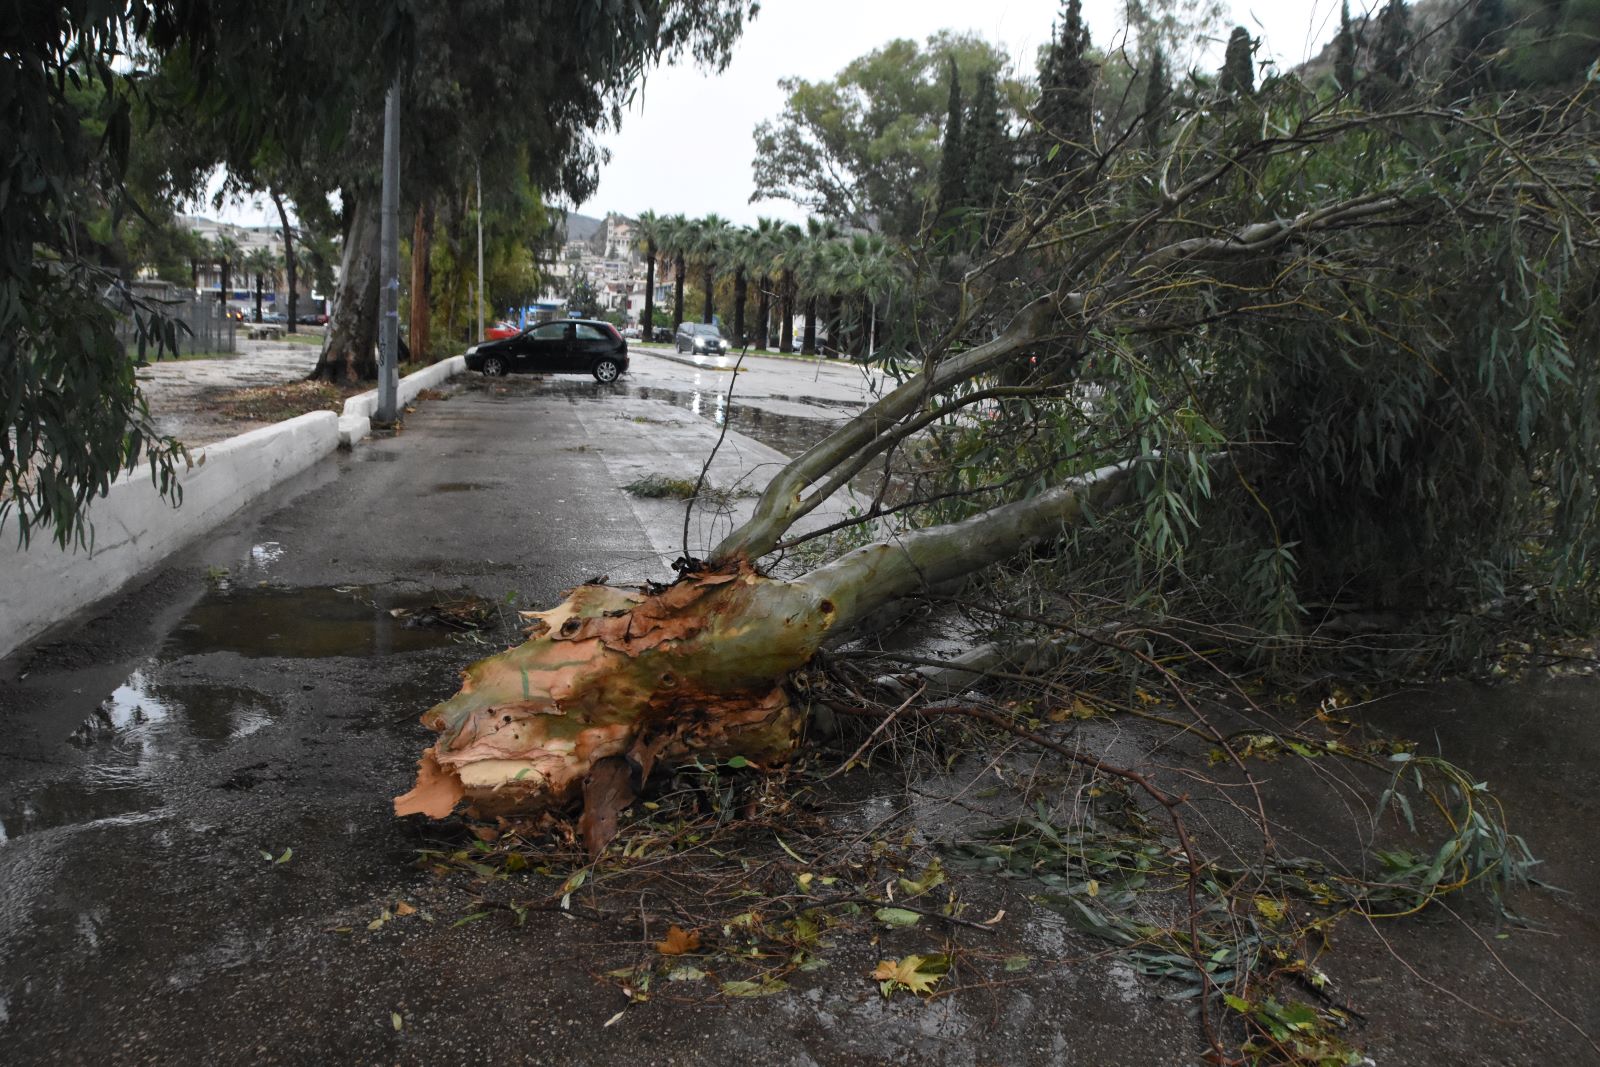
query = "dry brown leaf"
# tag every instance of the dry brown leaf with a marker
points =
(403, 908)
(679, 941)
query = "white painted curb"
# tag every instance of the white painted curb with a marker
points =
(365, 405)
(134, 529)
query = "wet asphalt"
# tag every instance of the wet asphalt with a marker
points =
(195, 832)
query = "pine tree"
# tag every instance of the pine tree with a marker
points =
(1391, 56)
(1238, 76)
(1156, 91)
(1065, 113)
(1344, 57)
(953, 163)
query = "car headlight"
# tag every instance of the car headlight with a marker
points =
(472, 351)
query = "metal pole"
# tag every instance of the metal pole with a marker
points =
(389, 263)
(480, 254)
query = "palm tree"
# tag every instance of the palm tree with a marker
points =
(864, 266)
(761, 247)
(226, 250)
(812, 275)
(788, 242)
(646, 236)
(261, 262)
(705, 250)
(676, 232)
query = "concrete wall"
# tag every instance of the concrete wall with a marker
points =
(134, 529)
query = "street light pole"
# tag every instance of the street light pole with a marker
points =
(389, 263)
(480, 254)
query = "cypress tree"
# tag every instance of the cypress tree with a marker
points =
(1344, 56)
(953, 156)
(1065, 113)
(1391, 56)
(1480, 35)
(991, 157)
(1238, 76)
(1156, 91)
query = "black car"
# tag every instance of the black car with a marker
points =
(565, 346)
(700, 337)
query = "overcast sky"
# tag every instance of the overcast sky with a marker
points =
(715, 115)
(813, 39)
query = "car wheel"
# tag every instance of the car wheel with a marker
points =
(493, 366)
(606, 370)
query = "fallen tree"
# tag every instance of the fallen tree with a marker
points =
(1147, 331)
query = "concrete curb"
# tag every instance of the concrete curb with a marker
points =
(135, 530)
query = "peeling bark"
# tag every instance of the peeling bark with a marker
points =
(615, 679)
(350, 353)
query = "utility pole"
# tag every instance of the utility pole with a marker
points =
(389, 263)
(480, 254)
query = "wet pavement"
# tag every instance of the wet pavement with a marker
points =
(195, 835)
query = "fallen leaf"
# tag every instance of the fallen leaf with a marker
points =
(897, 917)
(755, 989)
(403, 908)
(396, 1021)
(928, 879)
(678, 942)
(685, 973)
(918, 974)
(1017, 963)
(615, 1018)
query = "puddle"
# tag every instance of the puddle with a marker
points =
(314, 623)
(131, 743)
(458, 487)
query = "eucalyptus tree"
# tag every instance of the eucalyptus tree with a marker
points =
(1274, 347)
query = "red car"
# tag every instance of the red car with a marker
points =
(500, 331)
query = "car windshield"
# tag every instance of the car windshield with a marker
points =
(706, 331)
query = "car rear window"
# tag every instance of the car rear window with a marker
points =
(590, 333)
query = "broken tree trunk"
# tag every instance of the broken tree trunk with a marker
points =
(692, 670)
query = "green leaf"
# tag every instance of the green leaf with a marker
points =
(737, 763)
(898, 917)
(1017, 963)
(465, 919)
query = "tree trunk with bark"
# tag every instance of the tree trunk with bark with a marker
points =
(613, 682)
(421, 282)
(258, 296)
(350, 353)
(288, 262)
(808, 342)
(710, 308)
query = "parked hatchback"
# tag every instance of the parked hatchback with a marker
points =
(565, 346)
(700, 337)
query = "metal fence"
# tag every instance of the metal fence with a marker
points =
(203, 326)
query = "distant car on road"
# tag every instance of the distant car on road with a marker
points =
(632, 333)
(700, 337)
(501, 330)
(316, 318)
(566, 346)
(661, 333)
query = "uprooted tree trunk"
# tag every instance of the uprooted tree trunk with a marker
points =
(614, 681)
(617, 681)
(350, 353)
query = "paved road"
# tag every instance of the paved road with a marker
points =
(258, 696)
